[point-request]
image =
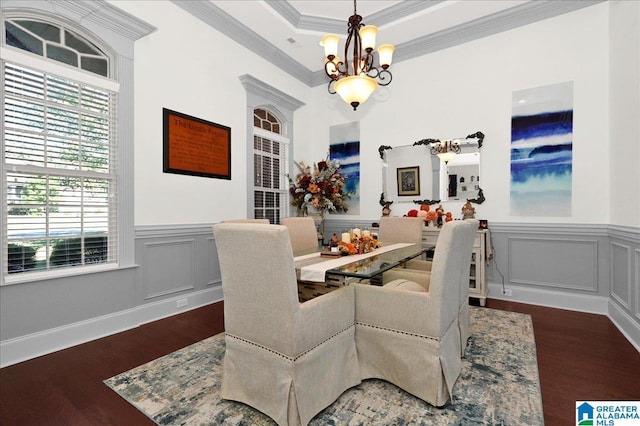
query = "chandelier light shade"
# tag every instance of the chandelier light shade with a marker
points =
(355, 89)
(446, 150)
(356, 78)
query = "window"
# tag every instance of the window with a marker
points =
(59, 141)
(270, 164)
(269, 142)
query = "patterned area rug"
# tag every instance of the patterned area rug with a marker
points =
(498, 385)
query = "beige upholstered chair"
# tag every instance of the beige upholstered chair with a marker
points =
(246, 221)
(422, 277)
(287, 359)
(408, 334)
(303, 234)
(400, 230)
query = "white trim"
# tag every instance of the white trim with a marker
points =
(33, 345)
(627, 326)
(49, 274)
(50, 67)
(553, 299)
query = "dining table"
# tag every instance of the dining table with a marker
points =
(321, 272)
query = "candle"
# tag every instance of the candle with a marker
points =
(346, 237)
(357, 233)
(366, 233)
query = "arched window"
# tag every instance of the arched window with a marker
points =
(54, 41)
(269, 132)
(60, 153)
(270, 165)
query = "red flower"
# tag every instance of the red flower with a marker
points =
(412, 213)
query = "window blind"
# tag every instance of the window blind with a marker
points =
(60, 168)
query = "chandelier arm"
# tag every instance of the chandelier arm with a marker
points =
(330, 87)
(367, 63)
(383, 75)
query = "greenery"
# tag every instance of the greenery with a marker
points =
(22, 257)
(68, 251)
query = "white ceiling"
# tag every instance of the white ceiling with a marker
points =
(398, 21)
(287, 32)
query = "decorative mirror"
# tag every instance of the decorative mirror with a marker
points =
(431, 171)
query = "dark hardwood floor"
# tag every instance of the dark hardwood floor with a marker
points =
(580, 357)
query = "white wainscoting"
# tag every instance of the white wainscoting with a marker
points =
(589, 268)
(175, 264)
(31, 346)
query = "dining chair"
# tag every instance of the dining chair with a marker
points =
(394, 230)
(408, 334)
(303, 234)
(400, 230)
(287, 359)
(421, 276)
(245, 221)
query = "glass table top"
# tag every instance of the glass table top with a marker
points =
(371, 266)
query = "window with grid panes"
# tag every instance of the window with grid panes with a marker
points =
(270, 160)
(59, 150)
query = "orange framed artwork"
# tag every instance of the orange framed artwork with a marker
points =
(193, 146)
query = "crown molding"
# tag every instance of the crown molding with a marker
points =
(524, 14)
(328, 25)
(220, 20)
(509, 19)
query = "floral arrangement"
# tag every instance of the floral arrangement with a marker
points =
(322, 187)
(359, 245)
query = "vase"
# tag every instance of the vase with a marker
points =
(318, 218)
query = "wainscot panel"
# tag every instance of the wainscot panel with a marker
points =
(168, 267)
(175, 260)
(562, 263)
(621, 273)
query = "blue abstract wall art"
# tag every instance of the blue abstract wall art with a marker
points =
(542, 151)
(344, 146)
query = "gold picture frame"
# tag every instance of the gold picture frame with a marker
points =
(408, 179)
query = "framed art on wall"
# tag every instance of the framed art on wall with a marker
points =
(193, 146)
(408, 180)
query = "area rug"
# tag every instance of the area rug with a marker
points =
(498, 385)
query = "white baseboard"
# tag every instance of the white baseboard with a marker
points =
(625, 324)
(552, 299)
(573, 302)
(13, 351)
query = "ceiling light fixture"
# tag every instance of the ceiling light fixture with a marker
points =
(446, 150)
(356, 78)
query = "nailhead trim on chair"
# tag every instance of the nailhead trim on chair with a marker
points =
(288, 358)
(437, 339)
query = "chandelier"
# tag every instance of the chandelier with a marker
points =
(446, 150)
(356, 78)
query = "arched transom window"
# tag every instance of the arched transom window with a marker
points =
(270, 162)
